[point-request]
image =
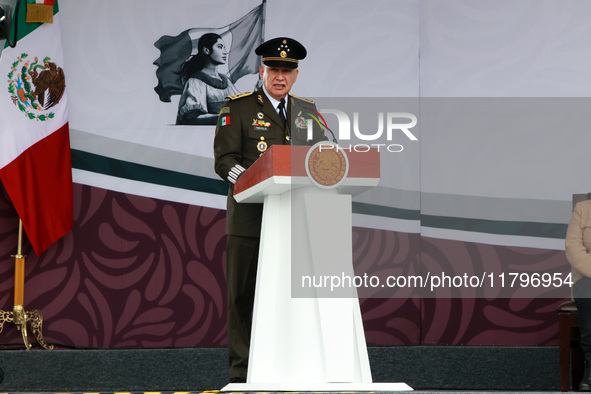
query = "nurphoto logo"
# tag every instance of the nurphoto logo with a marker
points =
(396, 122)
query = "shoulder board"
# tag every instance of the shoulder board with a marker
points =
(303, 99)
(237, 96)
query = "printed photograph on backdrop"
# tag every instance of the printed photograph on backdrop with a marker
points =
(202, 65)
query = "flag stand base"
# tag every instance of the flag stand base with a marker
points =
(19, 316)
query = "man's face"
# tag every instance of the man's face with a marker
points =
(278, 81)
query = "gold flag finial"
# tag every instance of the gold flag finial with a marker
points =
(39, 11)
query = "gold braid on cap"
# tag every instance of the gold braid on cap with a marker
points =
(283, 59)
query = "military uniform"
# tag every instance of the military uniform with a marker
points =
(248, 125)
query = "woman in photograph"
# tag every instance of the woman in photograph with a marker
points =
(205, 90)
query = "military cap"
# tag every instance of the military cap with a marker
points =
(281, 52)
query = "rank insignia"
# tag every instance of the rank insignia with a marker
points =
(237, 96)
(303, 99)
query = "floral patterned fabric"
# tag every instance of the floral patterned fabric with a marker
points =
(141, 272)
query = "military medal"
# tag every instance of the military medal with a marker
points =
(261, 125)
(262, 145)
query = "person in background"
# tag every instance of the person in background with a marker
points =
(578, 246)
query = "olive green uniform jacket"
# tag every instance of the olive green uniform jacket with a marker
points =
(247, 125)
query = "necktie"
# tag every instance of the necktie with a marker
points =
(281, 108)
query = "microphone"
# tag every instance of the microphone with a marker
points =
(334, 139)
(322, 124)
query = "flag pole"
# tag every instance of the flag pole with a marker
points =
(263, 24)
(259, 82)
(19, 316)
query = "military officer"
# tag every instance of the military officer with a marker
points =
(248, 125)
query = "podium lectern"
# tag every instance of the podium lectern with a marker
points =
(307, 335)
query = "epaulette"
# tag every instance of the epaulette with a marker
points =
(237, 96)
(303, 99)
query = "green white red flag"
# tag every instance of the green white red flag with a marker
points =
(35, 163)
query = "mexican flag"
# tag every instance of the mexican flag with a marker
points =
(35, 164)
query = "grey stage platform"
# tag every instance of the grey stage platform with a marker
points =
(428, 369)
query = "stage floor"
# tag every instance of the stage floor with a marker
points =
(427, 369)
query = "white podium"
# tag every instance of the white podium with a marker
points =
(307, 335)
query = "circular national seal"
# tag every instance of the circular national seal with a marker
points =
(36, 86)
(327, 166)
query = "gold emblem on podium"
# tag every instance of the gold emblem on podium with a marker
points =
(327, 165)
